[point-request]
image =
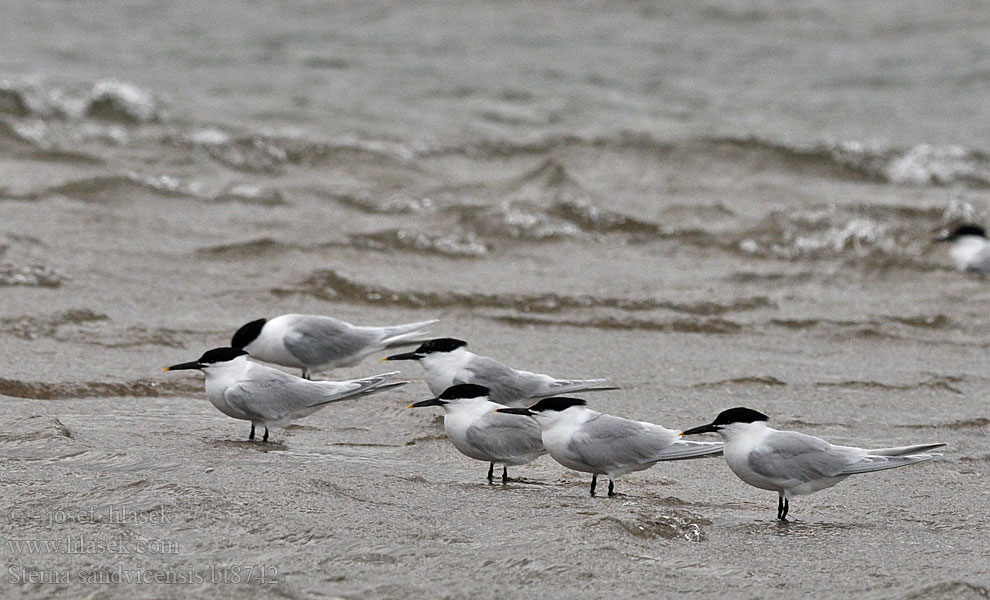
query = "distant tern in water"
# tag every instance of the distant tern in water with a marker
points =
(970, 249)
(792, 463)
(448, 362)
(479, 432)
(265, 396)
(586, 440)
(313, 343)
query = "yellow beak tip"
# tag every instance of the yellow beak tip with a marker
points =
(681, 434)
(165, 369)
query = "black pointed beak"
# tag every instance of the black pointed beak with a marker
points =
(430, 402)
(404, 356)
(702, 429)
(516, 411)
(183, 366)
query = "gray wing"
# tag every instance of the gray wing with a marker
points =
(789, 455)
(505, 435)
(509, 386)
(506, 383)
(270, 394)
(319, 340)
(609, 441)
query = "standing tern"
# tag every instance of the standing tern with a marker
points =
(448, 362)
(265, 396)
(313, 343)
(792, 463)
(478, 432)
(586, 440)
(970, 249)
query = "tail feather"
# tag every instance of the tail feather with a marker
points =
(364, 387)
(566, 386)
(683, 449)
(873, 462)
(904, 450)
(398, 334)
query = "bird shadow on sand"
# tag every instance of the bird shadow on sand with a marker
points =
(257, 446)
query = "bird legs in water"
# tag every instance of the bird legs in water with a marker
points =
(491, 473)
(594, 482)
(782, 506)
(306, 374)
(251, 435)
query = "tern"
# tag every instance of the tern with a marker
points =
(313, 342)
(478, 432)
(586, 440)
(792, 463)
(268, 397)
(448, 362)
(970, 249)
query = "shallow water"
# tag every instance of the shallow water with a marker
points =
(714, 205)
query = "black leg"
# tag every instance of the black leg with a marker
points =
(594, 482)
(491, 472)
(505, 474)
(611, 488)
(251, 435)
(782, 506)
(265, 439)
(305, 374)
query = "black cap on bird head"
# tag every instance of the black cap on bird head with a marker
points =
(248, 333)
(546, 405)
(967, 229)
(210, 357)
(430, 347)
(465, 390)
(460, 391)
(739, 414)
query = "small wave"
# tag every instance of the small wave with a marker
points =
(922, 164)
(32, 328)
(958, 590)
(974, 423)
(269, 155)
(389, 204)
(117, 188)
(705, 326)
(669, 524)
(759, 380)
(33, 276)
(935, 383)
(250, 194)
(753, 277)
(133, 337)
(250, 249)
(331, 285)
(109, 100)
(38, 390)
(29, 429)
(451, 245)
(517, 220)
(593, 219)
(870, 326)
